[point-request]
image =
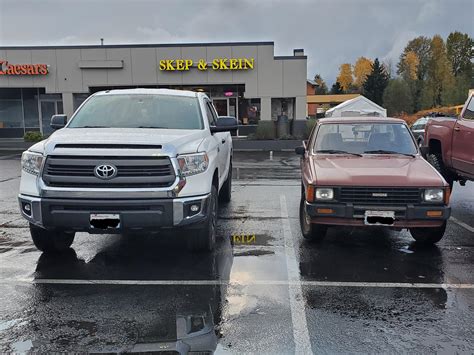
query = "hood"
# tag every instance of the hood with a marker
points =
(172, 141)
(374, 171)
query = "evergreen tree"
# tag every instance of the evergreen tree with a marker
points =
(336, 88)
(376, 83)
(322, 88)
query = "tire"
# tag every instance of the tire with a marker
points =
(437, 162)
(205, 238)
(225, 194)
(51, 241)
(428, 235)
(312, 232)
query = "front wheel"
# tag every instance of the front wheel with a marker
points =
(51, 241)
(310, 231)
(428, 235)
(226, 190)
(205, 238)
(437, 161)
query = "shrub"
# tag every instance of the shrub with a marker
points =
(265, 130)
(33, 136)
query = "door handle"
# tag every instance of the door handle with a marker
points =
(457, 128)
(223, 141)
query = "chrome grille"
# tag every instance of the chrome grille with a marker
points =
(78, 171)
(380, 195)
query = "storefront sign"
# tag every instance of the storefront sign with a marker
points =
(202, 64)
(22, 69)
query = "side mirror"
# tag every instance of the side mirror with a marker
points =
(300, 151)
(225, 124)
(58, 121)
(424, 151)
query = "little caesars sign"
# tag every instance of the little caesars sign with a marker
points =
(202, 64)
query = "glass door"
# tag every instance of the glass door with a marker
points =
(222, 106)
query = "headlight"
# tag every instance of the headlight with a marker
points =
(434, 195)
(324, 193)
(192, 164)
(31, 162)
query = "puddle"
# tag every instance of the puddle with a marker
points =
(22, 346)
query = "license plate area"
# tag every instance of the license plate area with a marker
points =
(379, 218)
(105, 220)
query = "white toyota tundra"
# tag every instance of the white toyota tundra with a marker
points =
(129, 160)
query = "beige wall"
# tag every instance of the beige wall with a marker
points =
(272, 76)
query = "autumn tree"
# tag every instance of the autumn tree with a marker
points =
(438, 89)
(345, 78)
(397, 98)
(362, 68)
(321, 88)
(415, 58)
(376, 83)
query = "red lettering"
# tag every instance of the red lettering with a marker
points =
(1, 67)
(22, 69)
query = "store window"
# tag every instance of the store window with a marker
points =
(249, 111)
(30, 107)
(283, 107)
(11, 113)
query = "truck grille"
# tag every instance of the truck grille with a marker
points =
(380, 195)
(78, 171)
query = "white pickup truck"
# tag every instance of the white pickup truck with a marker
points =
(129, 160)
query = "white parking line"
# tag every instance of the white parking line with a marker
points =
(297, 283)
(462, 224)
(297, 304)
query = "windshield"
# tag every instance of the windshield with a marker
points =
(139, 111)
(364, 138)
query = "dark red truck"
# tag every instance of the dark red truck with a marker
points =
(368, 171)
(450, 144)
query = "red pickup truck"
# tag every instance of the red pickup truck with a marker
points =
(368, 171)
(450, 144)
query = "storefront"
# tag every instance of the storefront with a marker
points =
(245, 80)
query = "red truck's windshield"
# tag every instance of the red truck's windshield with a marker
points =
(364, 138)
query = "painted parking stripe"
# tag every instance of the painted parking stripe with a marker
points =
(462, 224)
(297, 304)
(349, 284)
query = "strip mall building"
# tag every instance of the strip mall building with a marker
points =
(245, 80)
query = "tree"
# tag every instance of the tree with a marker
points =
(460, 52)
(376, 83)
(322, 88)
(421, 48)
(336, 88)
(397, 98)
(438, 89)
(362, 68)
(345, 78)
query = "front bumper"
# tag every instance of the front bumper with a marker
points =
(135, 214)
(353, 215)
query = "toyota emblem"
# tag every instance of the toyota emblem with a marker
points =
(105, 171)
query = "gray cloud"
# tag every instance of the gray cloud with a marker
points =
(330, 31)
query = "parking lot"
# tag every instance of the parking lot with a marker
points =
(264, 289)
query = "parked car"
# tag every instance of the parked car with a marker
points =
(418, 130)
(129, 160)
(450, 145)
(368, 172)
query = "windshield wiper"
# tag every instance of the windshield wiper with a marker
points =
(150, 127)
(381, 151)
(335, 151)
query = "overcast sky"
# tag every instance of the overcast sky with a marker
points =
(330, 31)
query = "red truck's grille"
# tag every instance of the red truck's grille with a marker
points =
(380, 195)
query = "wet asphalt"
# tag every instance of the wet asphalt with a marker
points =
(264, 289)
